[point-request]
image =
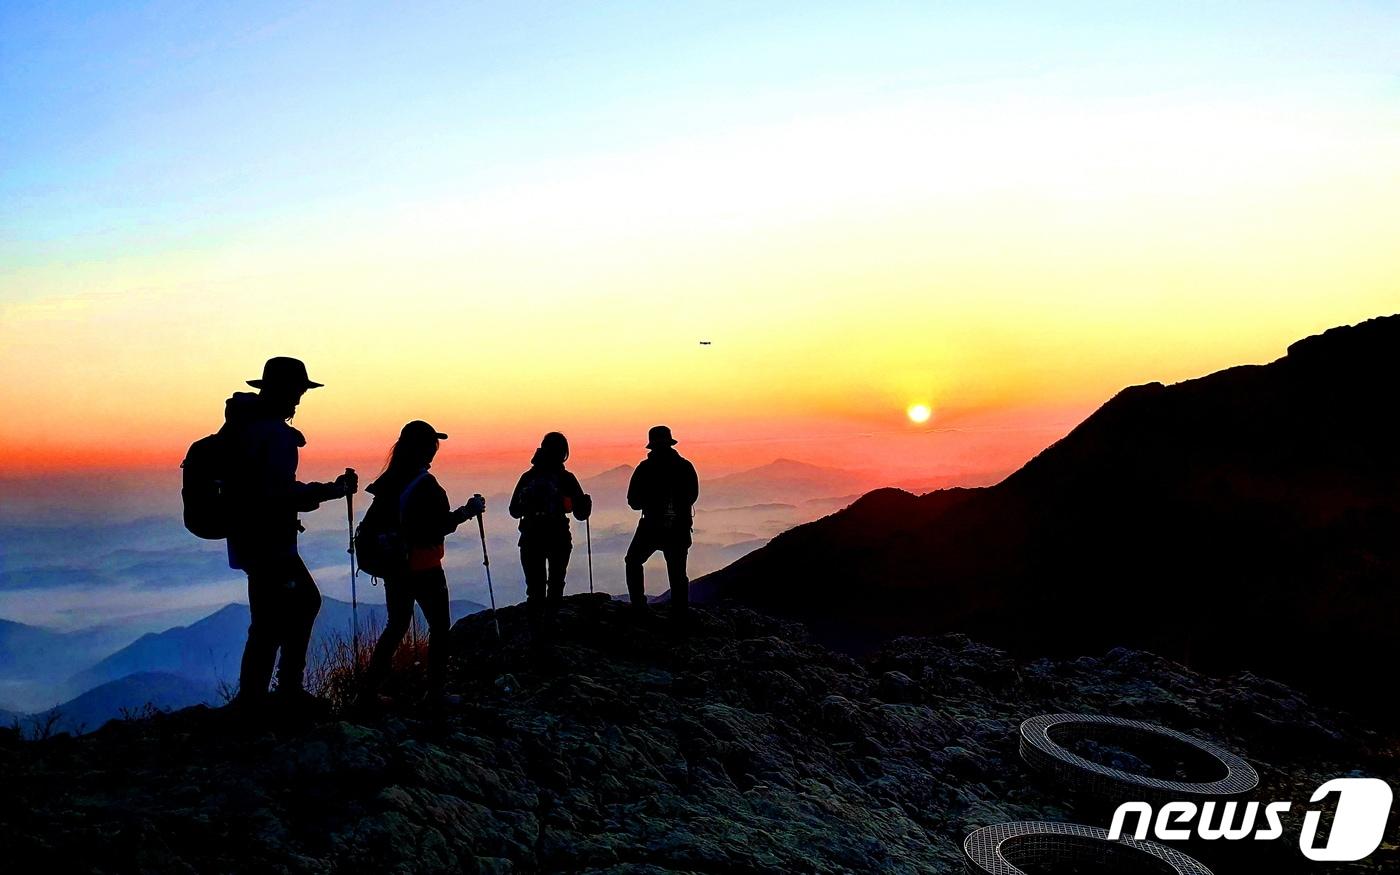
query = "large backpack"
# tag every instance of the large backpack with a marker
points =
(203, 491)
(380, 548)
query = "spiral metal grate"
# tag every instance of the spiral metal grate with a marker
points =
(994, 850)
(1040, 751)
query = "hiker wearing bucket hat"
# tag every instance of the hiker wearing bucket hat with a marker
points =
(264, 500)
(664, 488)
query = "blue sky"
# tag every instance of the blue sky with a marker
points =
(168, 121)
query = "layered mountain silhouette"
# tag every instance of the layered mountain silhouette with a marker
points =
(34, 651)
(1246, 519)
(133, 695)
(181, 666)
(210, 649)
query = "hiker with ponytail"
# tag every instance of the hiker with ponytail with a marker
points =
(407, 491)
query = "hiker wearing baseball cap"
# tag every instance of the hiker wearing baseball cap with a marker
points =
(664, 488)
(264, 499)
(411, 510)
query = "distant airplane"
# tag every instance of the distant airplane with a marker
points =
(704, 343)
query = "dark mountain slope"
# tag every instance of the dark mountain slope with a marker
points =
(1247, 519)
(741, 749)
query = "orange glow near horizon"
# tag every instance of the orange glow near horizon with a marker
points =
(856, 210)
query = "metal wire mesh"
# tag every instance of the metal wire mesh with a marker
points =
(1042, 752)
(996, 849)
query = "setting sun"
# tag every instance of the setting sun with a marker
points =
(919, 413)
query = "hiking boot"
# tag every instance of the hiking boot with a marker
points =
(373, 703)
(246, 706)
(299, 702)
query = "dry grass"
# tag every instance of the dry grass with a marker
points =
(337, 673)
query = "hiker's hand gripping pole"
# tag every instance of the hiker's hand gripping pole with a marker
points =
(486, 561)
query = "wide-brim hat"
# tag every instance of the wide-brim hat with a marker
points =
(660, 436)
(285, 371)
(420, 429)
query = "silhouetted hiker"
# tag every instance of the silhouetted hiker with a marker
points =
(423, 519)
(664, 488)
(264, 498)
(542, 500)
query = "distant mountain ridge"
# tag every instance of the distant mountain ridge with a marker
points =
(210, 649)
(33, 651)
(131, 696)
(1249, 518)
(181, 666)
(788, 479)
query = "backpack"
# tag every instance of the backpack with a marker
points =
(542, 497)
(380, 548)
(203, 493)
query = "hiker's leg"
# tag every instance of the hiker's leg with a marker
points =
(259, 654)
(680, 584)
(398, 600)
(638, 552)
(430, 589)
(302, 607)
(532, 562)
(558, 567)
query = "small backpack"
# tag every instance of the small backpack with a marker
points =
(542, 497)
(380, 548)
(203, 491)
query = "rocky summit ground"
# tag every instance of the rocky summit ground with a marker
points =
(738, 748)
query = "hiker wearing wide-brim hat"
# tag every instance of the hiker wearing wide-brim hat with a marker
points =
(264, 499)
(284, 372)
(407, 524)
(664, 488)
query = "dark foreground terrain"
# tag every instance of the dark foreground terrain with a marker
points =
(743, 748)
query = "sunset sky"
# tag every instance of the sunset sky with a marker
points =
(511, 217)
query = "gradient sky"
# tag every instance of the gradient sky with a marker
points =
(512, 217)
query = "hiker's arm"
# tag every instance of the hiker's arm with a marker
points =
(636, 489)
(438, 513)
(475, 507)
(515, 510)
(308, 496)
(581, 501)
(281, 450)
(691, 484)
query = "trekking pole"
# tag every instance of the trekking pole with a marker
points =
(354, 572)
(486, 560)
(588, 536)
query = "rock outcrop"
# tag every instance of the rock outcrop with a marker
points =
(742, 747)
